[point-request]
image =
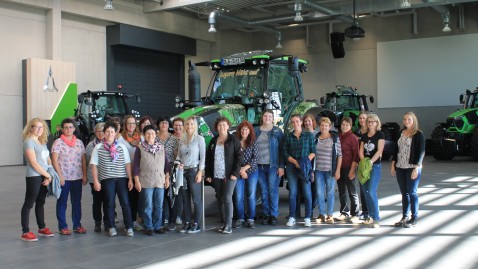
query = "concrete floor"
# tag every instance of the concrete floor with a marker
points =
(445, 237)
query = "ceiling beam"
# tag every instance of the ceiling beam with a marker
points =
(163, 5)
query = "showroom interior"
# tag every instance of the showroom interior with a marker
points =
(415, 55)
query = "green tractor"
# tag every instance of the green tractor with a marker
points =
(458, 135)
(244, 85)
(346, 102)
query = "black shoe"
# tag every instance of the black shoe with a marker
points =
(273, 221)
(401, 222)
(160, 231)
(223, 226)
(171, 226)
(265, 220)
(185, 228)
(194, 229)
(411, 223)
(227, 229)
(238, 223)
(149, 232)
(98, 228)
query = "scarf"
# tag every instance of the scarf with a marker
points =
(135, 137)
(154, 148)
(112, 149)
(70, 143)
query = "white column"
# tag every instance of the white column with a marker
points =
(53, 31)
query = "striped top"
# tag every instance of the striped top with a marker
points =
(106, 168)
(323, 155)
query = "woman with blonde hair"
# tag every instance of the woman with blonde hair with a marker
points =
(192, 156)
(371, 146)
(407, 166)
(35, 136)
(131, 137)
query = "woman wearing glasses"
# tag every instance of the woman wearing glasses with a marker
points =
(371, 146)
(130, 137)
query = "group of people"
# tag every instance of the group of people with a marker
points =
(158, 176)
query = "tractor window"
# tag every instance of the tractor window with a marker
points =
(279, 80)
(345, 102)
(110, 105)
(243, 82)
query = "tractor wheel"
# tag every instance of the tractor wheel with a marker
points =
(440, 132)
(474, 145)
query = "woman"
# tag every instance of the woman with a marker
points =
(299, 150)
(371, 146)
(407, 166)
(248, 176)
(362, 129)
(170, 144)
(130, 137)
(143, 122)
(224, 158)
(97, 195)
(309, 124)
(111, 169)
(174, 217)
(270, 162)
(35, 136)
(151, 176)
(346, 183)
(192, 156)
(328, 162)
(68, 158)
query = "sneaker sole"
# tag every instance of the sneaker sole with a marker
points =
(290, 225)
(193, 232)
(29, 240)
(46, 235)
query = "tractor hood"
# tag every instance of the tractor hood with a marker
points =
(462, 112)
(207, 115)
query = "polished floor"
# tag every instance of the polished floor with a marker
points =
(446, 235)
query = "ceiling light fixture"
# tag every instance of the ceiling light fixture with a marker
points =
(109, 5)
(405, 4)
(298, 9)
(355, 31)
(446, 22)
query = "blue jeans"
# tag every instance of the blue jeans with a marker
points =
(152, 207)
(370, 190)
(269, 182)
(294, 183)
(75, 188)
(408, 188)
(111, 187)
(192, 192)
(325, 186)
(251, 184)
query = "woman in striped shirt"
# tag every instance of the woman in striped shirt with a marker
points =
(111, 166)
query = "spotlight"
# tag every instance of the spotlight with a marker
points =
(446, 28)
(109, 5)
(212, 29)
(405, 4)
(279, 45)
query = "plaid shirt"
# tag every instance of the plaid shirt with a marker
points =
(301, 147)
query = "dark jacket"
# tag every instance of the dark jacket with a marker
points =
(232, 156)
(417, 149)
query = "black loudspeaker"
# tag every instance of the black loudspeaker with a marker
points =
(337, 45)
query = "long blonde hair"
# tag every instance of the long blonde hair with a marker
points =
(43, 139)
(415, 128)
(185, 137)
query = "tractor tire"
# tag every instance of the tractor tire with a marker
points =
(440, 132)
(474, 145)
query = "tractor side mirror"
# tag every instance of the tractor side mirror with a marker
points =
(293, 65)
(371, 99)
(462, 99)
(322, 101)
(80, 98)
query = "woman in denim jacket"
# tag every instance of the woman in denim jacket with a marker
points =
(269, 140)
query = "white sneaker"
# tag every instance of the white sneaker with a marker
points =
(112, 232)
(290, 222)
(354, 219)
(179, 221)
(342, 217)
(137, 226)
(307, 222)
(368, 221)
(129, 232)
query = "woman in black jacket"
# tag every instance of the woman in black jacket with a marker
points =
(223, 164)
(407, 166)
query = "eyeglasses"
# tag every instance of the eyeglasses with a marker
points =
(99, 132)
(131, 123)
(371, 121)
(164, 122)
(178, 125)
(69, 127)
(37, 127)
